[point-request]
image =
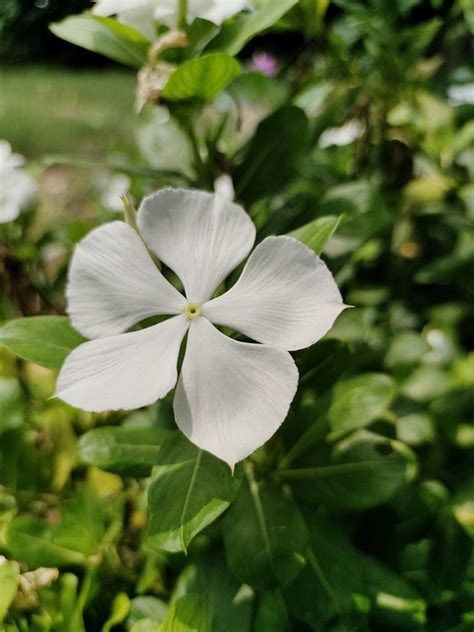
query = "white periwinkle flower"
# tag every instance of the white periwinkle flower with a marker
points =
(340, 136)
(141, 14)
(231, 396)
(17, 188)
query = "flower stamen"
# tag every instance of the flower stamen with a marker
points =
(192, 310)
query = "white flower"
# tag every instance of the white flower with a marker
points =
(17, 188)
(231, 396)
(141, 14)
(344, 135)
(462, 94)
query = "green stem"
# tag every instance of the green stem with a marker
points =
(182, 13)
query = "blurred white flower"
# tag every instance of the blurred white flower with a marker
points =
(142, 14)
(231, 396)
(17, 187)
(112, 193)
(344, 135)
(462, 94)
(224, 186)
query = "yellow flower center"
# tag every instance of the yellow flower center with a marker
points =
(192, 310)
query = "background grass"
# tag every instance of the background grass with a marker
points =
(51, 110)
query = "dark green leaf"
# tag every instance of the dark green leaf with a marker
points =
(272, 614)
(105, 36)
(450, 553)
(190, 488)
(365, 470)
(123, 450)
(273, 154)
(202, 78)
(45, 340)
(236, 34)
(264, 535)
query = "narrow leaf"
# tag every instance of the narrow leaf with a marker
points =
(317, 233)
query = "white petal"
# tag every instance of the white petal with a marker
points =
(113, 283)
(286, 296)
(201, 236)
(125, 371)
(110, 7)
(232, 396)
(215, 10)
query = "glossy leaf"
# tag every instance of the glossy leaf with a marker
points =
(264, 536)
(235, 35)
(122, 450)
(186, 614)
(317, 233)
(202, 78)
(105, 36)
(190, 488)
(44, 340)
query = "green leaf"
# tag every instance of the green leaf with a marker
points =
(105, 36)
(338, 581)
(272, 614)
(234, 35)
(11, 403)
(265, 535)
(229, 604)
(45, 340)
(276, 147)
(186, 614)
(147, 608)
(31, 540)
(351, 404)
(317, 233)
(122, 450)
(120, 610)
(358, 401)
(364, 470)
(203, 78)
(9, 574)
(190, 488)
(450, 553)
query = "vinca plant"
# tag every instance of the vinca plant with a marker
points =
(237, 395)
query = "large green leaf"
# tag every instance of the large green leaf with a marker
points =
(45, 340)
(229, 607)
(233, 36)
(123, 450)
(350, 404)
(9, 574)
(190, 488)
(203, 78)
(186, 614)
(105, 36)
(364, 470)
(273, 154)
(317, 233)
(264, 535)
(338, 579)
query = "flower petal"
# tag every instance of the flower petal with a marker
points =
(110, 7)
(113, 283)
(125, 371)
(286, 296)
(232, 396)
(201, 236)
(215, 11)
